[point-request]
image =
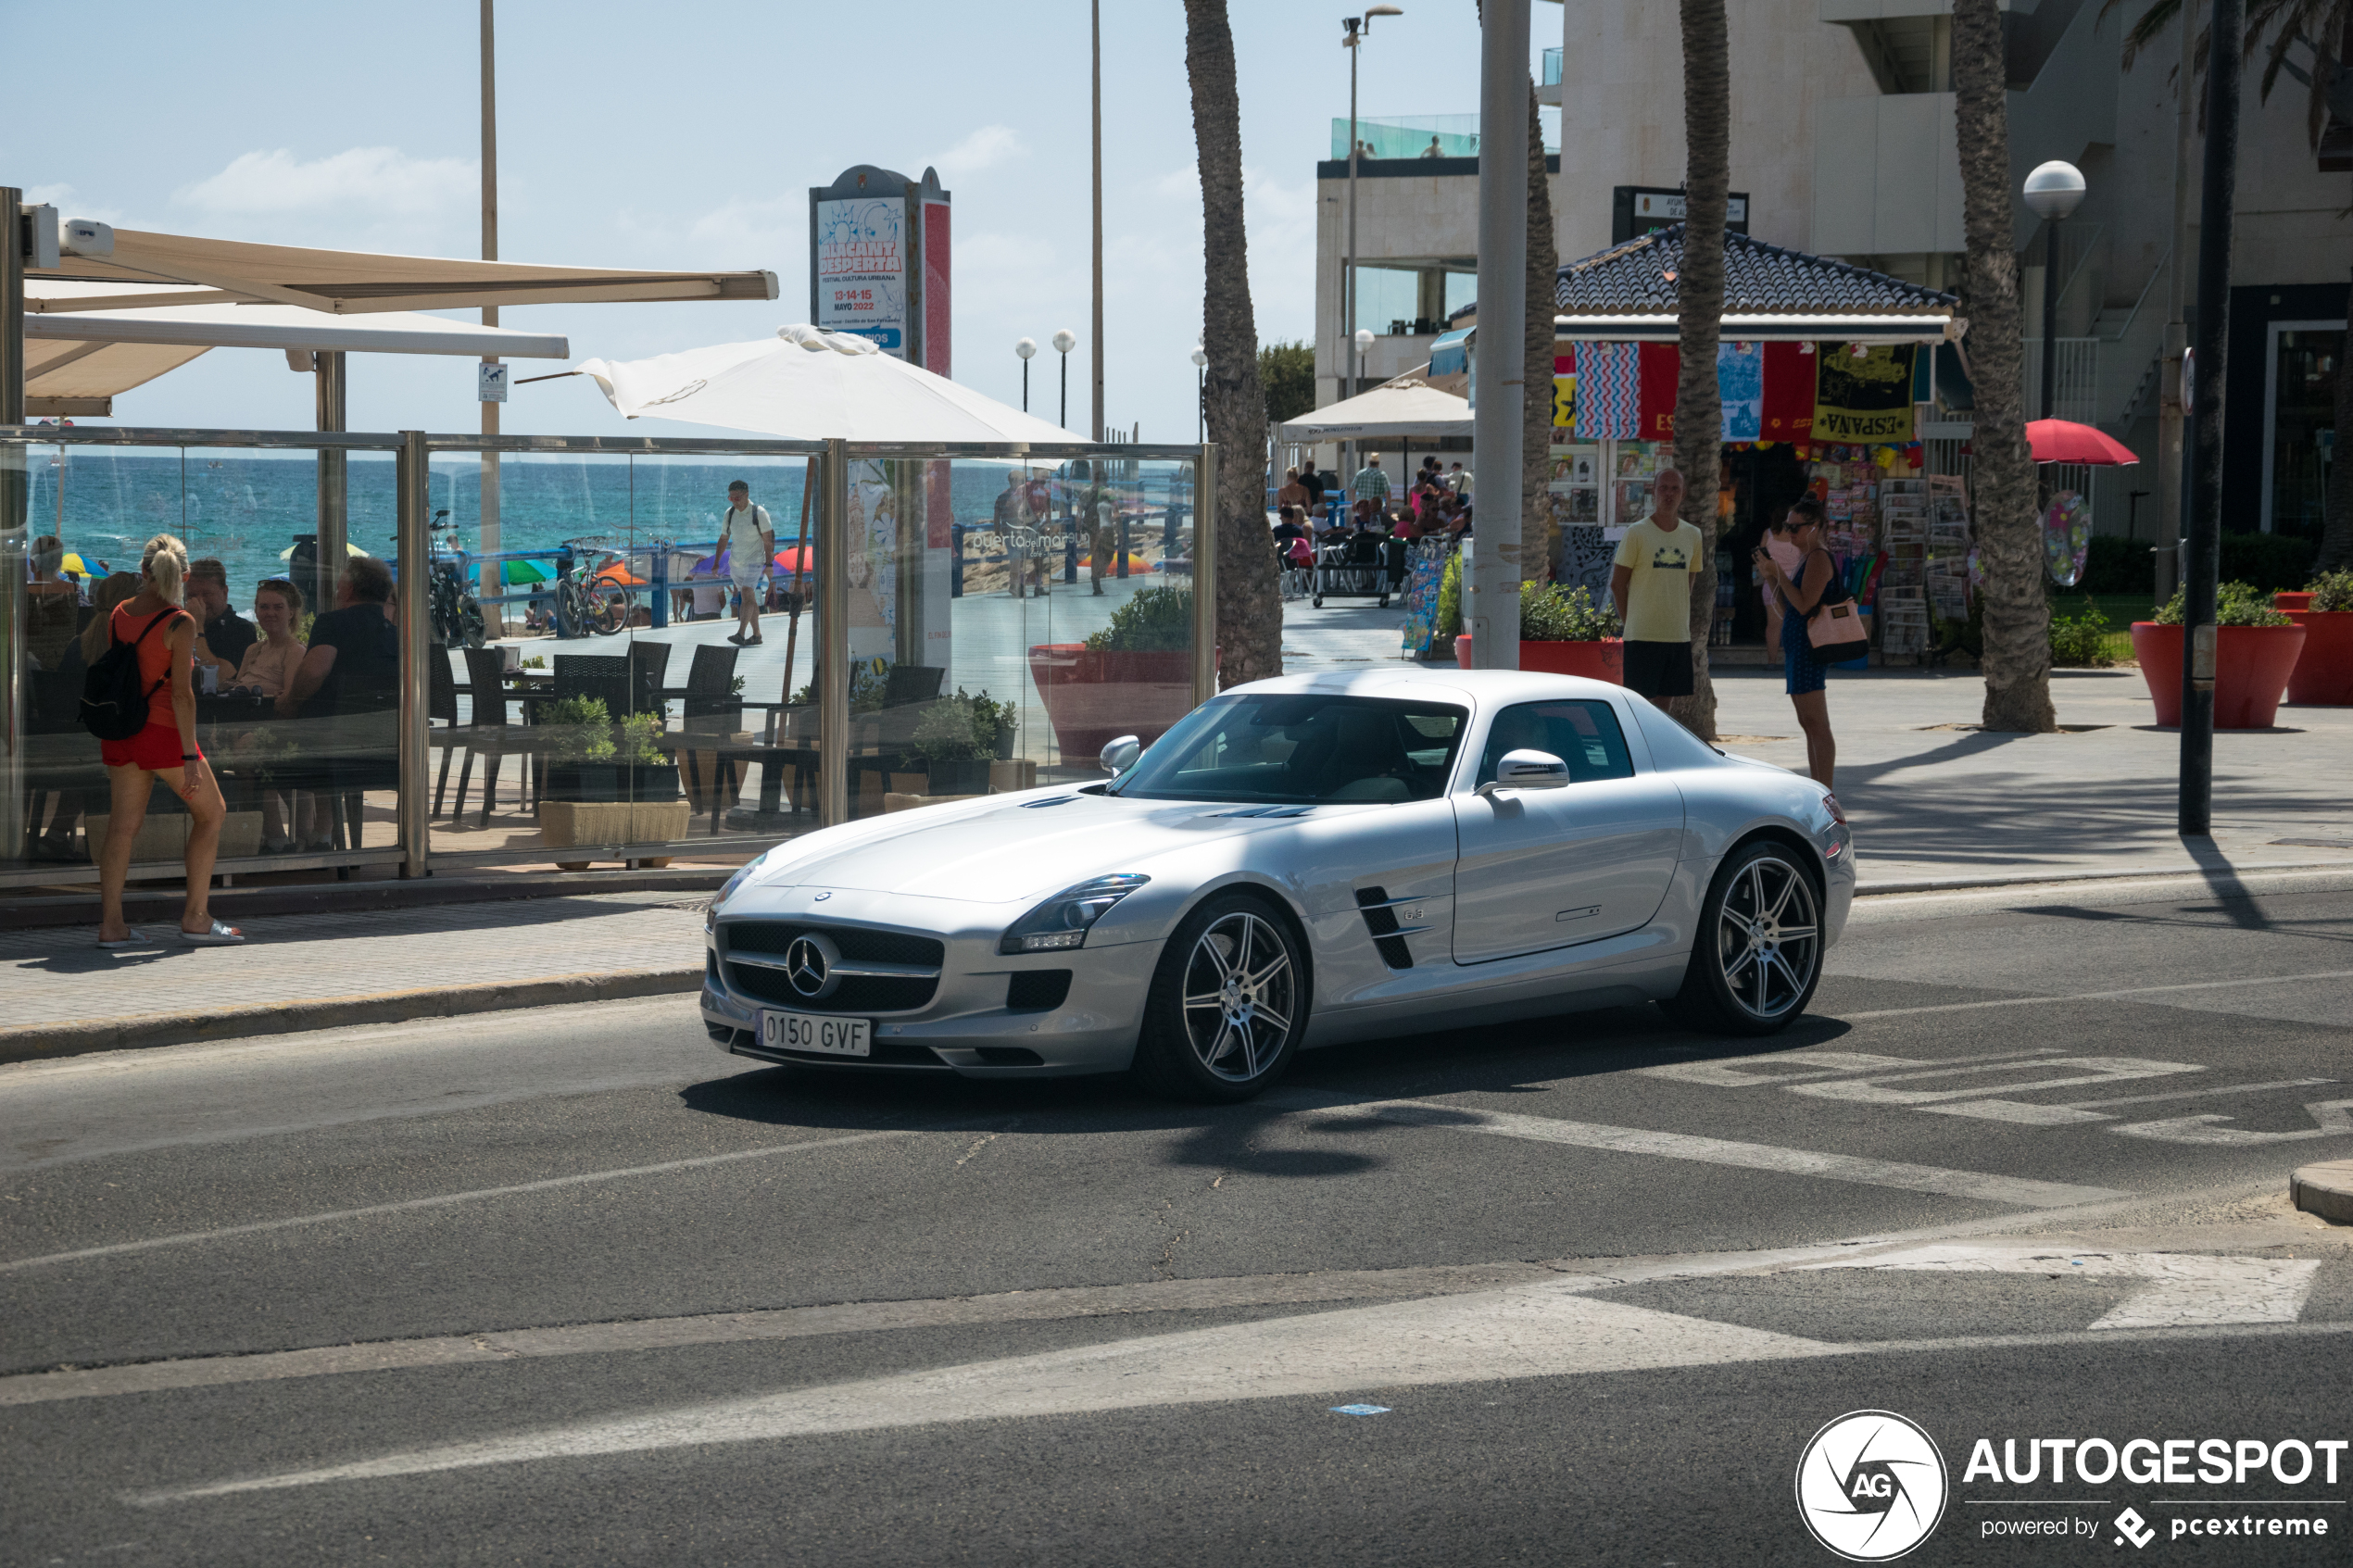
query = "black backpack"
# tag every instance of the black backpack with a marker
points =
(114, 699)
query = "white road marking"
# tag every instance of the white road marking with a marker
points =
(1974, 1185)
(444, 1200)
(2091, 1069)
(2334, 1117)
(2185, 1290)
(2124, 993)
(2072, 1112)
(1801, 1067)
(1542, 1330)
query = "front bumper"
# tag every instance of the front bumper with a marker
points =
(966, 1027)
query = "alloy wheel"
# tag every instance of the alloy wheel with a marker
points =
(1769, 938)
(1240, 996)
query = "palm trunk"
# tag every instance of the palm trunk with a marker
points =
(1699, 290)
(1535, 461)
(1250, 617)
(2337, 527)
(2017, 658)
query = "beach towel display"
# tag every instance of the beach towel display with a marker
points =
(1863, 394)
(1609, 391)
(1787, 403)
(1739, 386)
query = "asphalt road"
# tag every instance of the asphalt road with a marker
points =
(571, 1286)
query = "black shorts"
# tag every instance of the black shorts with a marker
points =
(1658, 670)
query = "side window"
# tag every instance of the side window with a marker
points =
(1583, 735)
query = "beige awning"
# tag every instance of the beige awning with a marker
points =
(76, 359)
(353, 283)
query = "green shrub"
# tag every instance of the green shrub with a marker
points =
(2235, 604)
(2332, 590)
(1449, 597)
(2081, 642)
(960, 728)
(2117, 565)
(638, 733)
(1155, 620)
(581, 729)
(1550, 613)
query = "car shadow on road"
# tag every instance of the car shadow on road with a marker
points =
(1531, 1056)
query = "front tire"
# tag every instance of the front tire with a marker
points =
(1227, 1005)
(1756, 956)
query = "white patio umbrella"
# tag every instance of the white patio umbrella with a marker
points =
(1386, 413)
(813, 385)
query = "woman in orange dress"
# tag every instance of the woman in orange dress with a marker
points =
(165, 637)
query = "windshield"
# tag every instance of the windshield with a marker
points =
(1301, 749)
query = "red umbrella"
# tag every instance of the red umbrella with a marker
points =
(2064, 441)
(801, 559)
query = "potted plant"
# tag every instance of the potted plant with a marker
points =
(1562, 632)
(948, 738)
(1448, 622)
(1133, 677)
(2323, 673)
(607, 782)
(2255, 647)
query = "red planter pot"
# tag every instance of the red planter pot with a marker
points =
(1601, 660)
(1092, 696)
(2251, 666)
(2323, 673)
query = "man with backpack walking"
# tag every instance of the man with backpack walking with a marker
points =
(140, 700)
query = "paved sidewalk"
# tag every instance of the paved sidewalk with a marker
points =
(317, 971)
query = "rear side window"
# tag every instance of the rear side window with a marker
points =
(1583, 735)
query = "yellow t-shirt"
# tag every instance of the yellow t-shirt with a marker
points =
(1658, 598)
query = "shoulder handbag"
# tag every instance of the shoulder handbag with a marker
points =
(1834, 628)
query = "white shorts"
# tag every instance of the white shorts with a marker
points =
(746, 574)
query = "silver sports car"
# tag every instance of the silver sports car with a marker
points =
(1299, 862)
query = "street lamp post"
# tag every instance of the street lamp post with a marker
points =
(2054, 190)
(1026, 347)
(1064, 341)
(1201, 395)
(1358, 29)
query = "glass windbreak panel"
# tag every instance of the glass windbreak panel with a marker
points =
(1303, 749)
(2303, 411)
(1009, 618)
(302, 744)
(622, 658)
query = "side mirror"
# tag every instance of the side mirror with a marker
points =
(1120, 755)
(1528, 770)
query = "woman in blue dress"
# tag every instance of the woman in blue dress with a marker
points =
(1804, 675)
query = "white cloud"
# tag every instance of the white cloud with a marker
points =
(985, 148)
(61, 196)
(381, 181)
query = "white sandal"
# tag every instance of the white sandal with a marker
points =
(222, 936)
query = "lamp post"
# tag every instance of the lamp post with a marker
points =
(2053, 192)
(1358, 29)
(1026, 347)
(1201, 395)
(1064, 341)
(1360, 343)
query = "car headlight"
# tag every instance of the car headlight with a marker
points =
(727, 891)
(1064, 919)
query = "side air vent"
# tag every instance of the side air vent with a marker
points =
(1380, 919)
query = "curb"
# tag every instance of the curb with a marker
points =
(2325, 1189)
(2036, 879)
(46, 1042)
(80, 908)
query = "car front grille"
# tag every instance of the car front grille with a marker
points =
(857, 945)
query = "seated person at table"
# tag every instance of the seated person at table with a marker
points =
(268, 668)
(53, 607)
(349, 680)
(224, 635)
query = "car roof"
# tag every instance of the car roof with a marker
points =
(1478, 689)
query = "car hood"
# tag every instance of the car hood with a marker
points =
(1022, 850)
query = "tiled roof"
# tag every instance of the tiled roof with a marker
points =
(1639, 278)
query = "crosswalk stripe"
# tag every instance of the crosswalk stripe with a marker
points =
(1977, 1184)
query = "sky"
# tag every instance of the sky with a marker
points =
(686, 136)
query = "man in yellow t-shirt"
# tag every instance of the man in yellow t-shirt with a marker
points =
(1649, 583)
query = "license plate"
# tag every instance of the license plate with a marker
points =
(813, 1032)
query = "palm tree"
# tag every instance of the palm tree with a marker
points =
(1250, 617)
(1699, 291)
(2016, 656)
(2322, 29)
(1536, 434)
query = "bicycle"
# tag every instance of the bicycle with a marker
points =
(585, 607)
(456, 613)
